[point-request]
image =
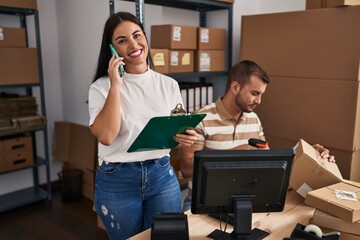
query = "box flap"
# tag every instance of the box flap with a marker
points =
(309, 172)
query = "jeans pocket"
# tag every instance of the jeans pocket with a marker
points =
(163, 162)
(109, 167)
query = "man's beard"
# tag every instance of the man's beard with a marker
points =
(243, 107)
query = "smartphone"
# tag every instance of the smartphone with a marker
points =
(255, 142)
(121, 67)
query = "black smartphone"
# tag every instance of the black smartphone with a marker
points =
(121, 67)
(258, 143)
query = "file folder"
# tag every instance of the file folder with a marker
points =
(159, 132)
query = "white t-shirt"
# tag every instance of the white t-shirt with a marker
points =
(143, 96)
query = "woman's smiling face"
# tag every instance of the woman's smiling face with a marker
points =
(130, 42)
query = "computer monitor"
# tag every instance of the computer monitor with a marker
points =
(241, 182)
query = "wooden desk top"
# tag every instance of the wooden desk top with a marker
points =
(278, 224)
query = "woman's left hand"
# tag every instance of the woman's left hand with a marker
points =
(323, 153)
(186, 139)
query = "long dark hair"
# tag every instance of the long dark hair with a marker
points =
(104, 57)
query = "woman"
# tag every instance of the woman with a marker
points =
(131, 187)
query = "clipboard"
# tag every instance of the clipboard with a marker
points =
(158, 133)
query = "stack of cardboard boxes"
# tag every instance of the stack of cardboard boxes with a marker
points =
(177, 49)
(336, 200)
(13, 46)
(312, 58)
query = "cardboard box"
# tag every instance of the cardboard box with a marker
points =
(313, 4)
(12, 37)
(327, 199)
(309, 173)
(289, 106)
(323, 219)
(211, 38)
(173, 61)
(74, 143)
(29, 4)
(319, 44)
(347, 161)
(210, 61)
(16, 153)
(173, 37)
(18, 160)
(11, 72)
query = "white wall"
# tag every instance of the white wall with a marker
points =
(71, 32)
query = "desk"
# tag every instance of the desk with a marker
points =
(279, 224)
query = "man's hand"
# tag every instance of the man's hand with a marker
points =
(323, 153)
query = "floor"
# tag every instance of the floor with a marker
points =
(55, 221)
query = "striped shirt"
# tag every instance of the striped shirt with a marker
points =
(219, 130)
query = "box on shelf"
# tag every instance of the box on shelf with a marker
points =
(313, 4)
(340, 199)
(210, 60)
(323, 219)
(173, 61)
(309, 173)
(11, 72)
(12, 37)
(16, 153)
(173, 37)
(29, 4)
(211, 38)
(321, 44)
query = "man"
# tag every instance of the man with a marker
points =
(230, 121)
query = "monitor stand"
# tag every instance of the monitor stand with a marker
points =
(242, 223)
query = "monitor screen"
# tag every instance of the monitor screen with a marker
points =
(230, 181)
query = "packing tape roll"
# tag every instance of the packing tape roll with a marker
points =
(311, 228)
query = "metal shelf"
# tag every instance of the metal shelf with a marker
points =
(35, 193)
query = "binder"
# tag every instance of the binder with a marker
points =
(158, 133)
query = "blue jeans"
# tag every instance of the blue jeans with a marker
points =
(127, 195)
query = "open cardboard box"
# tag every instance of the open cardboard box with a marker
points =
(309, 172)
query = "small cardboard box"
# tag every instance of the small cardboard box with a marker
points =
(173, 61)
(11, 72)
(12, 37)
(210, 61)
(28, 4)
(310, 173)
(173, 37)
(16, 153)
(323, 219)
(211, 38)
(332, 199)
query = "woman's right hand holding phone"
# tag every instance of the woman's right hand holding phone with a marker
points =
(113, 72)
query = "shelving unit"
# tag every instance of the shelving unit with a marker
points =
(202, 6)
(35, 192)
